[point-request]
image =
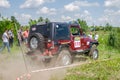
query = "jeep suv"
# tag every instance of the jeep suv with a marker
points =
(61, 39)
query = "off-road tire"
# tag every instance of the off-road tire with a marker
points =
(64, 58)
(94, 53)
(39, 45)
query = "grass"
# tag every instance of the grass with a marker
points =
(99, 70)
(4, 55)
(106, 51)
(15, 50)
(105, 70)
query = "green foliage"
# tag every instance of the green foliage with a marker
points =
(95, 28)
(111, 39)
(14, 22)
(6, 23)
(32, 22)
(108, 27)
(117, 43)
(83, 25)
(47, 20)
(114, 38)
(40, 19)
(101, 28)
(15, 25)
(102, 70)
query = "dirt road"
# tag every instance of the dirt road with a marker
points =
(13, 66)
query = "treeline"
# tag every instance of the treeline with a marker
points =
(107, 27)
(6, 23)
(113, 37)
(40, 19)
(13, 23)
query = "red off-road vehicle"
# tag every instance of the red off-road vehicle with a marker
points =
(62, 40)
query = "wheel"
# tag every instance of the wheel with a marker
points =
(94, 53)
(64, 58)
(36, 41)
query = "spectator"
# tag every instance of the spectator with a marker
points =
(19, 38)
(21, 34)
(96, 36)
(11, 37)
(90, 35)
(84, 35)
(5, 39)
(25, 35)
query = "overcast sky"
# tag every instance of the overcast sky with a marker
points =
(96, 12)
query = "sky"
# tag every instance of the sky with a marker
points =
(94, 12)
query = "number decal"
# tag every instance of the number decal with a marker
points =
(77, 42)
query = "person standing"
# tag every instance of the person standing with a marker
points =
(11, 37)
(21, 34)
(25, 35)
(5, 39)
(90, 35)
(96, 36)
(19, 37)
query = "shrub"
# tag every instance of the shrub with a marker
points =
(114, 38)
(111, 39)
(108, 27)
(83, 25)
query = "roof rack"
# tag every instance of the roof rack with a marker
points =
(41, 23)
(74, 22)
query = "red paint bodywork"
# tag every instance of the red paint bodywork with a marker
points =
(82, 43)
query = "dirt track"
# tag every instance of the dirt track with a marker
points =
(12, 66)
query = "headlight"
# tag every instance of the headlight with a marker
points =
(88, 43)
(49, 40)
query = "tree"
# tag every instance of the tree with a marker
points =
(40, 19)
(108, 27)
(14, 20)
(5, 23)
(32, 22)
(83, 25)
(15, 25)
(47, 20)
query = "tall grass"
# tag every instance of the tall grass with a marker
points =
(106, 51)
(109, 69)
(105, 70)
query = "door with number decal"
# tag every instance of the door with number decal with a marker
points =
(75, 38)
(77, 42)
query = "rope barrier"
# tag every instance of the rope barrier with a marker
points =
(28, 76)
(21, 49)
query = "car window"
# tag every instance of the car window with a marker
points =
(75, 30)
(62, 31)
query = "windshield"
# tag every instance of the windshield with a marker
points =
(75, 30)
(62, 32)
